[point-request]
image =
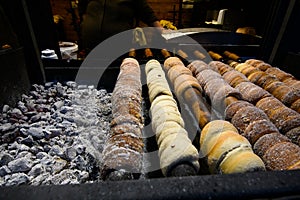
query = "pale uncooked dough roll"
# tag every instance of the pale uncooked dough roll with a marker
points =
(166, 126)
(174, 146)
(151, 64)
(156, 81)
(177, 129)
(164, 106)
(157, 89)
(163, 99)
(164, 110)
(179, 150)
(165, 116)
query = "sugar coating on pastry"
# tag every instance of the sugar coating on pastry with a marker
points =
(184, 82)
(280, 74)
(234, 78)
(120, 158)
(218, 100)
(126, 128)
(281, 156)
(255, 76)
(245, 116)
(216, 65)
(285, 119)
(252, 92)
(263, 66)
(268, 104)
(177, 71)
(290, 123)
(231, 110)
(273, 85)
(197, 66)
(294, 135)
(296, 105)
(220, 66)
(258, 128)
(213, 86)
(286, 94)
(124, 146)
(253, 61)
(267, 141)
(171, 61)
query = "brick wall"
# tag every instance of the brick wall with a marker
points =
(169, 10)
(63, 8)
(164, 9)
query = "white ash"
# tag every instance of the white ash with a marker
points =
(54, 135)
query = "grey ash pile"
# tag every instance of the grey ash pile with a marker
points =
(54, 135)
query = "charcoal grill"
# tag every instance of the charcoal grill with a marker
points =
(255, 185)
